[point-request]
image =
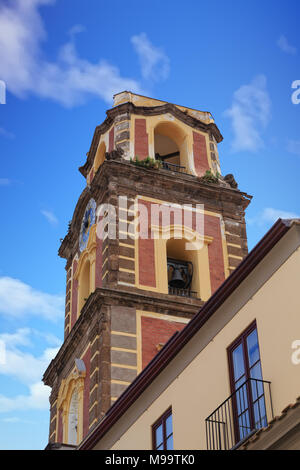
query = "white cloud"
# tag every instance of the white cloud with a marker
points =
(38, 399)
(27, 369)
(294, 146)
(250, 113)
(270, 215)
(18, 299)
(284, 45)
(52, 219)
(70, 80)
(154, 62)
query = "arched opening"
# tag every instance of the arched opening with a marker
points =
(182, 269)
(100, 156)
(170, 146)
(73, 419)
(84, 284)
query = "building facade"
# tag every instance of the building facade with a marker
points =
(154, 234)
(230, 378)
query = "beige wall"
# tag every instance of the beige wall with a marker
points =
(197, 381)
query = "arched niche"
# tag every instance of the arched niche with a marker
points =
(170, 145)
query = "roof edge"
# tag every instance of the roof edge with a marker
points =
(179, 340)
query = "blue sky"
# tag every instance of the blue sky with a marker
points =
(62, 61)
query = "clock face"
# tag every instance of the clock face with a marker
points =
(87, 221)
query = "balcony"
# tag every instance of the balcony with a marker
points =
(248, 409)
(182, 292)
(173, 167)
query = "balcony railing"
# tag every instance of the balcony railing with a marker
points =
(173, 167)
(248, 409)
(182, 292)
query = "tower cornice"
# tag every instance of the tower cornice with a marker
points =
(129, 108)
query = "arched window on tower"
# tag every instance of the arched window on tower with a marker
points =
(84, 284)
(182, 269)
(170, 146)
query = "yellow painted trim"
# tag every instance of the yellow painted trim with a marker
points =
(114, 348)
(126, 257)
(234, 245)
(95, 339)
(95, 403)
(95, 354)
(235, 256)
(95, 386)
(120, 382)
(125, 270)
(93, 422)
(122, 333)
(123, 366)
(106, 272)
(95, 370)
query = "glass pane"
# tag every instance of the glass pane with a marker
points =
(169, 427)
(260, 413)
(170, 443)
(159, 435)
(160, 447)
(257, 388)
(252, 346)
(244, 425)
(238, 362)
(241, 399)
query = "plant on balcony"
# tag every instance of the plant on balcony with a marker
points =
(209, 177)
(147, 163)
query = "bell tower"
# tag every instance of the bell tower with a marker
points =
(155, 232)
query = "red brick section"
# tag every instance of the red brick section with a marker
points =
(86, 392)
(141, 149)
(146, 249)
(111, 139)
(212, 228)
(74, 296)
(155, 331)
(60, 430)
(200, 154)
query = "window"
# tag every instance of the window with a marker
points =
(162, 432)
(246, 383)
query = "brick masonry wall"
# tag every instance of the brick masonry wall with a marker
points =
(74, 295)
(141, 139)
(215, 252)
(200, 153)
(156, 332)
(111, 139)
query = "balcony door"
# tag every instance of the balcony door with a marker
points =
(249, 408)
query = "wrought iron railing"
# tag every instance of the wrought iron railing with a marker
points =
(248, 409)
(173, 167)
(182, 292)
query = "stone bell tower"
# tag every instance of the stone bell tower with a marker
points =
(133, 280)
